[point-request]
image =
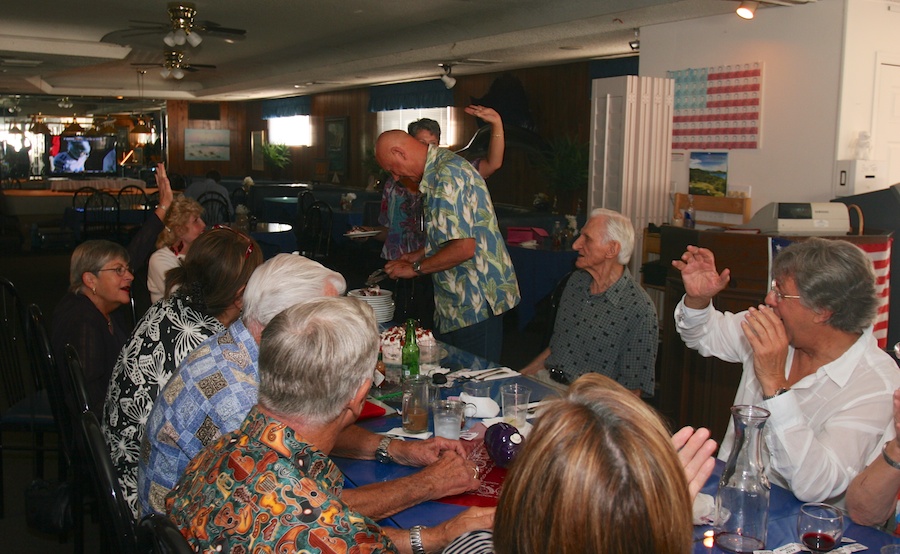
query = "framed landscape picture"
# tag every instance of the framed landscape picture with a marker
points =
(336, 145)
(708, 174)
(204, 145)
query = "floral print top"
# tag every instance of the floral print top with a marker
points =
(458, 206)
(401, 213)
(263, 488)
(167, 333)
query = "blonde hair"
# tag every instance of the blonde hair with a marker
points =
(598, 473)
(178, 215)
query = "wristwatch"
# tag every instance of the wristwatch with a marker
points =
(780, 391)
(415, 539)
(417, 267)
(381, 453)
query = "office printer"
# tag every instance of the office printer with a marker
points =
(801, 218)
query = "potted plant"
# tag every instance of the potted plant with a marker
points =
(566, 164)
(277, 156)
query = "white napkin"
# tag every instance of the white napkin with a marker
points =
(479, 406)
(399, 432)
(430, 369)
(496, 373)
(704, 509)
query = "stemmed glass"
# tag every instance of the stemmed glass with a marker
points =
(820, 526)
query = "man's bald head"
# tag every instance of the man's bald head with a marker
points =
(400, 154)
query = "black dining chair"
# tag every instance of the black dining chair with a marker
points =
(239, 197)
(134, 206)
(101, 216)
(555, 298)
(316, 238)
(305, 199)
(28, 408)
(81, 195)
(215, 209)
(157, 534)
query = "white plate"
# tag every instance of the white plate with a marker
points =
(382, 295)
(360, 234)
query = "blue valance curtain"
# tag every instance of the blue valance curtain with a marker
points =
(420, 94)
(286, 107)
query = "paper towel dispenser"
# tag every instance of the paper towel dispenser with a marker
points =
(801, 218)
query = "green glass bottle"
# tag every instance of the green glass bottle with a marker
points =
(410, 353)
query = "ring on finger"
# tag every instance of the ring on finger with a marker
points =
(475, 470)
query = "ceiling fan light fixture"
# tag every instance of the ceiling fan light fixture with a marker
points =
(179, 37)
(194, 39)
(169, 39)
(747, 9)
(178, 73)
(165, 73)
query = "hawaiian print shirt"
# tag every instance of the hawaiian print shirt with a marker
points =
(401, 213)
(209, 395)
(263, 489)
(167, 333)
(458, 206)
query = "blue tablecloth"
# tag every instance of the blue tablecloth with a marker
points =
(73, 218)
(538, 272)
(275, 238)
(283, 209)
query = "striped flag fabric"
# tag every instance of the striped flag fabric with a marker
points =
(880, 254)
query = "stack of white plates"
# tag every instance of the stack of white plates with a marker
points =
(382, 303)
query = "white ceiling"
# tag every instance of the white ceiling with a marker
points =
(85, 50)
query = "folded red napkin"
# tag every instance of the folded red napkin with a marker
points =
(371, 410)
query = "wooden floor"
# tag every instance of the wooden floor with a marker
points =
(42, 278)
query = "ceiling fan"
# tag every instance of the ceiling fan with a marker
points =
(182, 27)
(175, 64)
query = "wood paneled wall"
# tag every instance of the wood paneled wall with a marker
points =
(559, 100)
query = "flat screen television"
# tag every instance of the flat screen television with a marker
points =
(83, 155)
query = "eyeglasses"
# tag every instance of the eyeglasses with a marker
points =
(242, 235)
(119, 269)
(778, 295)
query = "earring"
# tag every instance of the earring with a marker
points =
(94, 289)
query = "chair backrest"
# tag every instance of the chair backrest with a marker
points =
(119, 523)
(713, 204)
(305, 199)
(215, 209)
(81, 195)
(239, 196)
(317, 229)
(101, 216)
(14, 355)
(158, 535)
(74, 390)
(44, 363)
(555, 298)
(133, 197)
(371, 211)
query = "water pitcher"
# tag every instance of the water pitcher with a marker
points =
(742, 502)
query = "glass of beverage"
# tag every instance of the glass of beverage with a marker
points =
(820, 526)
(417, 393)
(448, 418)
(515, 403)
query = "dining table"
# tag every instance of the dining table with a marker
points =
(283, 209)
(274, 238)
(73, 218)
(784, 507)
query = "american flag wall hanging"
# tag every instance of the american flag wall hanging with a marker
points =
(717, 107)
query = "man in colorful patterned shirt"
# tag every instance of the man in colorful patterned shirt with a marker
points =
(215, 387)
(270, 486)
(474, 281)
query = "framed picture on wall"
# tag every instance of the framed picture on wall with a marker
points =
(204, 145)
(336, 145)
(257, 159)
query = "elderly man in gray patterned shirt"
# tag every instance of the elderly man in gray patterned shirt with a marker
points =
(606, 323)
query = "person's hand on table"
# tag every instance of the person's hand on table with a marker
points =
(451, 474)
(422, 453)
(765, 332)
(695, 450)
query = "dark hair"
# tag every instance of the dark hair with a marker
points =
(832, 275)
(425, 124)
(214, 175)
(218, 264)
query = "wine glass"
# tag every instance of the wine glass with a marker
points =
(820, 526)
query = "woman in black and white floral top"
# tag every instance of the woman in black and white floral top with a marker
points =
(210, 286)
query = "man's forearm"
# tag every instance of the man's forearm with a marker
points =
(381, 500)
(356, 442)
(450, 255)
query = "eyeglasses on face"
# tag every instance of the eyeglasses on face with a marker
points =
(242, 235)
(778, 295)
(119, 269)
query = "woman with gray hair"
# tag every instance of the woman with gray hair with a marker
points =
(809, 357)
(99, 283)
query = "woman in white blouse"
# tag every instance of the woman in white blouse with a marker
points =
(183, 224)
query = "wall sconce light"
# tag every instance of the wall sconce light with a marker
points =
(747, 9)
(448, 81)
(635, 43)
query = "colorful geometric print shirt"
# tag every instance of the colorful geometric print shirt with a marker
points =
(458, 206)
(263, 489)
(210, 395)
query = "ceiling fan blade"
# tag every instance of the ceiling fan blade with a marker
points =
(145, 64)
(201, 66)
(213, 29)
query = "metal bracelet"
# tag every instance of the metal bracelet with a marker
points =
(415, 539)
(888, 459)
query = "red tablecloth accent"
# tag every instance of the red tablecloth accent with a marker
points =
(491, 482)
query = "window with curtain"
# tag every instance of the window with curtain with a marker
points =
(400, 119)
(295, 130)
